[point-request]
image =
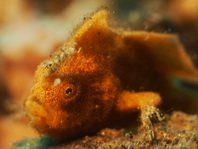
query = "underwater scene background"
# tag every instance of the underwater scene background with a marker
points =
(31, 30)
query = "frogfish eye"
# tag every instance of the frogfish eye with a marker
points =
(70, 87)
(68, 91)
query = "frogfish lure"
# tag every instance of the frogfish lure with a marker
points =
(101, 73)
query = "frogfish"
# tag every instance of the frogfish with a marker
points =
(101, 73)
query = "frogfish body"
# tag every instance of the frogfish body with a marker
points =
(99, 73)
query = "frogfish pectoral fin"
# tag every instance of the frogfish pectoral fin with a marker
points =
(131, 101)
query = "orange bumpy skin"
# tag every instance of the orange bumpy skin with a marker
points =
(99, 72)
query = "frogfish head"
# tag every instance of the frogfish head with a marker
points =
(71, 96)
(75, 89)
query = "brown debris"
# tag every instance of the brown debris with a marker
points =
(178, 130)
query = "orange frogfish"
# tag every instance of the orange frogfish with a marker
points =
(100, 73)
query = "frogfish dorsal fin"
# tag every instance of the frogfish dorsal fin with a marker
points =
(169, 54)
